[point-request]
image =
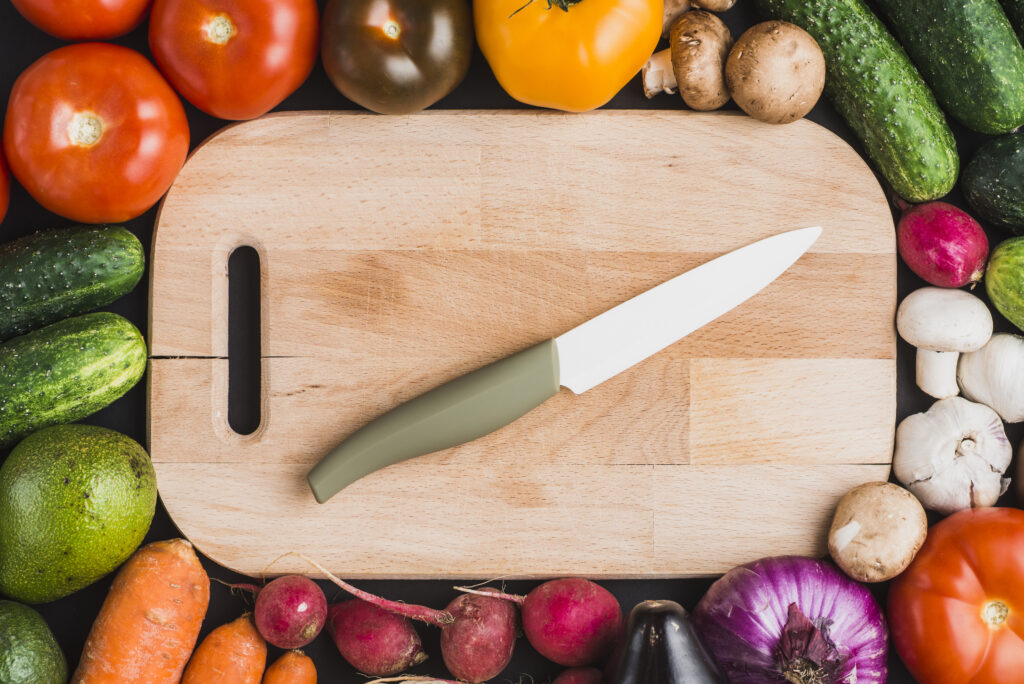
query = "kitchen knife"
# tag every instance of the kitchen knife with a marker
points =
(487, 399)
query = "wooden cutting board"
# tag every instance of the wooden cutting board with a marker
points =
(399, 252)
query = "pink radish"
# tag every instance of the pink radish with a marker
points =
(573, 621)
(942, 244)
(478, 644)
(290, 610)
(478, 632)
(372, 640)
(579, 675)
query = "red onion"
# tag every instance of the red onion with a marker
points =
(942, 244)
(793, 620)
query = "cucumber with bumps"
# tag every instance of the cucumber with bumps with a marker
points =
(55, 274)
(1015, 11)
(876, 89)
(66, 371)
(1004, 280)
(993, 182)
(968, 53)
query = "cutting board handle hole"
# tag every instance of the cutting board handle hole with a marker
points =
(244, 368)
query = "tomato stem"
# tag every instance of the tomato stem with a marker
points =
(85, 129)
(995, 613)
(220, 29)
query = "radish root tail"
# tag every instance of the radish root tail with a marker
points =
(438, 618)
(514, 598)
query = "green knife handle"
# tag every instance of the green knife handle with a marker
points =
(457, 412)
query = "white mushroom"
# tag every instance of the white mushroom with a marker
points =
(936, 373)
(657, 74)
(936, 319)
(994, 376)
(953, 456)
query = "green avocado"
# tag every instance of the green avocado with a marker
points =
(75, 502)
(28, 652)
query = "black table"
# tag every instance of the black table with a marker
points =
(72, 617)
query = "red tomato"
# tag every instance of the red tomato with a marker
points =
(94, 133)
(235, 59)
(5, 188)
(84, 19)
(957, 613)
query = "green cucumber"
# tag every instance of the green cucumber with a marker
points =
(1015, 12)
(1004, 280)
(66, 371)
(55, 274)
(993, 182)
(876, 89)
(968, 53)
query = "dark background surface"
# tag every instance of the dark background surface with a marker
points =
(21, 44)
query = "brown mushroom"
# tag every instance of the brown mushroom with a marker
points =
(700, 42)
(714, 5)
(672, 10)
(877, 530)
(775, 72)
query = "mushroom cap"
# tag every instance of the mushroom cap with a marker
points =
(942, 319)
(877, 530)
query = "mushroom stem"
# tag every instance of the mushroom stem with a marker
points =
(673, 10)
(936, 373)
(657, 74)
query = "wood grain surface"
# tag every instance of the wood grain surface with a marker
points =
(399, 252)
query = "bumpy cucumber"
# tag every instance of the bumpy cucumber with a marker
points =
(993, 182)
(876, 89)
(55, 274)
(1015, 11)
(66, 371)
(969, 55)
(1004, 280)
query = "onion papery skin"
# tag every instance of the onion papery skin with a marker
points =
(740, 620)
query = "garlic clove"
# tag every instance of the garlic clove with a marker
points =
(994, 376)
(941, 319)
(936, 373)
(953, 456)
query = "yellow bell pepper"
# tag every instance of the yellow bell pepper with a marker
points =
(573, 55)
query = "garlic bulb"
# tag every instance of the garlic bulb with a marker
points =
(994, 376)
(953, 456)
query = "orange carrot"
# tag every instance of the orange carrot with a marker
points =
(234, 653)
(150, 620)
(294, 667)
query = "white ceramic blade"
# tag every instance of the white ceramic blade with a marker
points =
(627, 334)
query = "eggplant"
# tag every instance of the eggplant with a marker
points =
(661, 647)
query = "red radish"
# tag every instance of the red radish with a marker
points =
(478, 633)
(372, 640)
(290, 610)
(478, 645)
(942, 244)
(573, 621)
(579, 675)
